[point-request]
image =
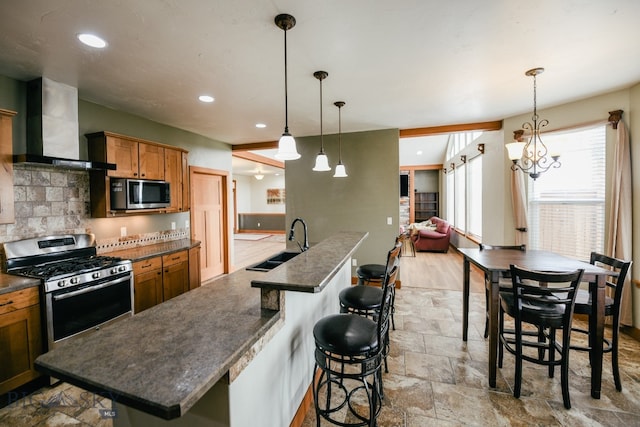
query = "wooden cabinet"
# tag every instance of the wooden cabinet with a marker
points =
(7, 213)
(173, 174)
(194, 267)
(426, 206)
(136, 158)
(20, 337)
(161, 278)
(175, 274)
(147, 283)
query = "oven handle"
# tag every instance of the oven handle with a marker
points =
(90, 288)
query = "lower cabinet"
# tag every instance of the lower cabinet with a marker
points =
(175, 274)
(147, 283)
(161, 278)
(20, 337)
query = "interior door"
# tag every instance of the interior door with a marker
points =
(209, 219)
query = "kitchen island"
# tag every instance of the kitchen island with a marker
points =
(222, 354)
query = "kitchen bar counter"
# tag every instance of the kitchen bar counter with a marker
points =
(164, 360)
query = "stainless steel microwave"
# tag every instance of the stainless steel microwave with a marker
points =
(129, 194)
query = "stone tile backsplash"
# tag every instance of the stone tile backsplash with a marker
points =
(52, 201)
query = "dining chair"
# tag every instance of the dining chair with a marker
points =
(544, 300)
(611, 308)
(504, 284)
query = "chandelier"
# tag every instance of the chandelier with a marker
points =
(533, 156)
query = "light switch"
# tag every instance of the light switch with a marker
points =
(123, 231)
(173, 225)
(389, 220)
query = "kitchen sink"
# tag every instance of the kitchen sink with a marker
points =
(273, 261)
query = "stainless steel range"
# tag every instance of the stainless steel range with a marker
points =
(82, 290)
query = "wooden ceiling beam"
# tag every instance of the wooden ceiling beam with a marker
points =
(258, 158)
(435, 130)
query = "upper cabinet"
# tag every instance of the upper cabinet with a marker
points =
(135, 158)
(7, 214)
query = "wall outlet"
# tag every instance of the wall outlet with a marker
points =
(354, 262)
(123, 231)
(186, 223)
(258, 224)
(173, 225)
(389, 220)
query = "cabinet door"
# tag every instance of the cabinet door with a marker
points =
(151, 161)
(194, 267)
(124, 153)
(7, 214)
(175, 280)
(173, 175)
(147, 287)
(20, 344)
(186, 188)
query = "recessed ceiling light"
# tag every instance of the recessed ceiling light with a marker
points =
(419, 152)
(260, 125)
(92, 40)
(205, 98)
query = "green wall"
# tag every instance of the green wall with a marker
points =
(361, 202)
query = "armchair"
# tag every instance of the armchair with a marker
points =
(433, 239)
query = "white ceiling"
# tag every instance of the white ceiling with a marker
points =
(397, 64)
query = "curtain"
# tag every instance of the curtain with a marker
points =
(519, 205)
(620, 215)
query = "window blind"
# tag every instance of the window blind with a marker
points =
(567, 204)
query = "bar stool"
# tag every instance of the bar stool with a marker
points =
(365, 300)
(348, 355)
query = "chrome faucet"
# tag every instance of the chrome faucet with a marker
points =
(306, 238)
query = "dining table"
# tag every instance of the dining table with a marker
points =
(494, 263)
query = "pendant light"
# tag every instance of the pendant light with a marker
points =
(340, 170)
(322, 162)
(286, 145)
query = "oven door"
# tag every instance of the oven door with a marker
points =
(71, 312)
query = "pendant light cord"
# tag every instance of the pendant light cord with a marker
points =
(286, 95)
(321, 133)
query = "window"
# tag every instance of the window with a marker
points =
(567, 205)
(450, 185)
(460, 197)
(474, 200)
(464, 184)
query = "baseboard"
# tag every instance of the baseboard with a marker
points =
(354, 281)
(631, 331)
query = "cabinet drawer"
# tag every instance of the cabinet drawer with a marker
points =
(19, 299)
(175, 258)
(147, 265)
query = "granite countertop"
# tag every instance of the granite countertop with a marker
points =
(164, 359)
(10, 283)
(312, 270)
(139, 253)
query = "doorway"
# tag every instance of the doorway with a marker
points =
(209, 219)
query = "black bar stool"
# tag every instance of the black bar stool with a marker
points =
(348, 355)
(365, 300)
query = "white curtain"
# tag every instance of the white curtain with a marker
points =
(620, 215)
(519, 205)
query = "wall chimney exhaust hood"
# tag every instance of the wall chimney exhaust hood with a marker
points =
(52, 127)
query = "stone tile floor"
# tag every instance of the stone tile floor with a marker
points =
(435, 378)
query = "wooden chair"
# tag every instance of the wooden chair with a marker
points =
(611, 308)
(504, 284)
(544, 300)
